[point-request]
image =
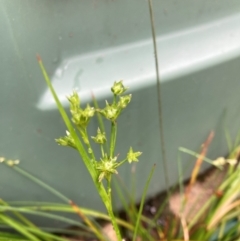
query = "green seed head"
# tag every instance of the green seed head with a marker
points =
(111, 112)
(124, 101)
(118, 88)
(106, 167)
(132, 156)
(100, 138)
(66, 141)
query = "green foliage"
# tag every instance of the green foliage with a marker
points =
(103, 167)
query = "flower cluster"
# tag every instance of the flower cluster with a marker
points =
(100, 138)
(66, 141)
(112, 111)
(106, 167)
(80, 117)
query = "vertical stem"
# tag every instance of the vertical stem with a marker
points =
(100, 121)
(109, 190)
(114, 223)
(165, 167)
(84, 134)
(107, 200)
(102, 150)
(114, 99)
(113, 138)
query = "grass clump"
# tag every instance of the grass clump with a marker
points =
(100, 169)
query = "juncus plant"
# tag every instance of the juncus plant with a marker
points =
(100, 168)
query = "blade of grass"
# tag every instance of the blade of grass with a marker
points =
(45, 235)
(228, 139)
(213, 198)
(142, 202)
(219, 214)
(68, 123)
(20, 216)
(62, 197)
(41, 183)
(237, 140)
(198, 164)
(121, 196)
(45, 215)
(67, 231)
(17, 226)
(11, 237)
(181, 190)
(132, 211)
(160, 114)
(88, 163)
(65, 208)
(185, 150)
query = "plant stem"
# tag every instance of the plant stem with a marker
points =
(62, 197)
(165, 167)
(102, 150)
(142, 202)
(113, 138)
(19, 227)
(41, 183)
(100, 121)
(121, 162)
(106, 197)
(90, 150)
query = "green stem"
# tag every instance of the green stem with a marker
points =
(100, 121)
(62, 197)
(159, 94)
(17, 226)
(114, 99)
(63, 208)
(106, 197)
(20, 216)
(113, 138)
(142, 203)
(87, 142)
(109, 190)
(121, 162)
(102, 150)
(41, 183)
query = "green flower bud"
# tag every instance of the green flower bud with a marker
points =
(118, 88)
(66, 141)
(106, 168)
(100, 138)
(110, 112)
(124, 101)
(89, 111)
(132, 156)
(82, 117)
(74, 102)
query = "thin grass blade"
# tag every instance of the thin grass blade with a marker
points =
(142, 202)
